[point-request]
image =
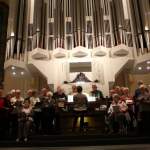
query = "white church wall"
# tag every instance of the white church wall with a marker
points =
(103, 69)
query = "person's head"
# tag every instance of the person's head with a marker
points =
(140, 82)
(121, 90)
(44, 91)
(125, 91)
(111, 92)
(30, 92)
(26, 103)
(59, 89)
(8, 96)
(74, 88)
(34, 92)
(94, 87)
(116, 98)
(49, 94)
(117, 89)
(1, 92)
(18, 93)
(79, 89)
(13, 93)
(142, 88)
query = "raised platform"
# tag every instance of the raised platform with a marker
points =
(78, 139)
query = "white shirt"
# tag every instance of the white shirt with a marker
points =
(34, 100)
(13, 100)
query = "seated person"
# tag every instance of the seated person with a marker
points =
(96, 93)
(111, 93)
(32, 96)
(47, 113)
(126, 96)
(60, 98)
(118, 113)
(80, 106)
(24, 121)
(128, 99)
(59, 95)
(74, 90)
(43, 94)
(12, 94)
(17, 103)
(17, 99)
(118, 90)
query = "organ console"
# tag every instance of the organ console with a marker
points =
(94, 116)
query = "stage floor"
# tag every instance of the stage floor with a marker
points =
(111, 147)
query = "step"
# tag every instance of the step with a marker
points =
(83, 140)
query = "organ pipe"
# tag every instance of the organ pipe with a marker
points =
(90, 22)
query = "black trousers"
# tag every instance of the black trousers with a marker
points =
(37, 120)
(78, 114)
(47, 118)
(4, 124)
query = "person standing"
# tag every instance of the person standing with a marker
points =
(137, 98)
(137, 92)
(80, 107)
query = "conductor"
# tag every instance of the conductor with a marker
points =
(79, 106)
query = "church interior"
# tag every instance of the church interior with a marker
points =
(61, 60)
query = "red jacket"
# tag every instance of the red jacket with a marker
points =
(1, 103)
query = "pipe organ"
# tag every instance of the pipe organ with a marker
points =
(52, 24)
(46, 36)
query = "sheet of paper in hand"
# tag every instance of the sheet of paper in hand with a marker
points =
(61, 103)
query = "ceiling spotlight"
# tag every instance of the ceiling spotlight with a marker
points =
(148, 67)
(148, 62)
(37, 29)
(22, 73)
(13, 68)
(12, 34)
(139, 68)
(14, 73)
(146, 28)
